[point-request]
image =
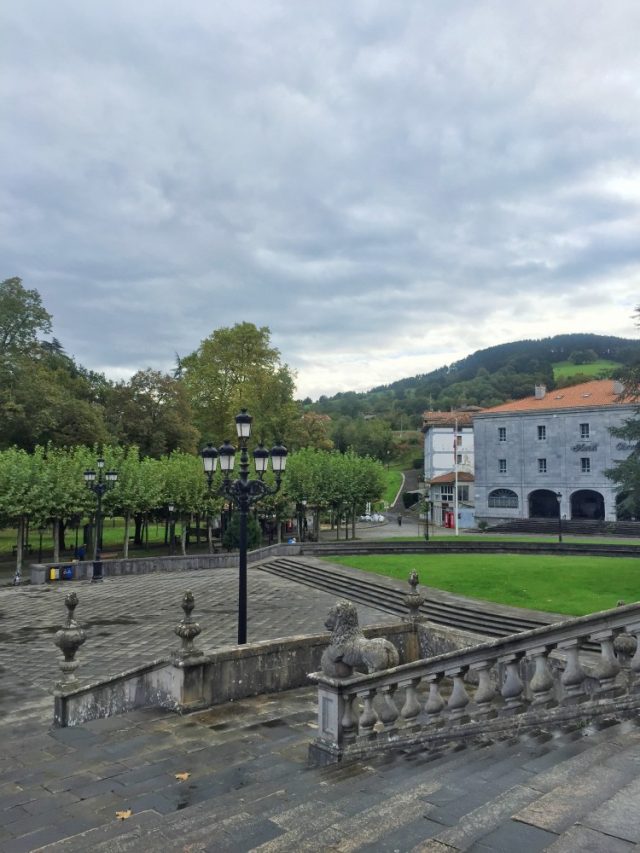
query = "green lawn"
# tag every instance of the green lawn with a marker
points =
(602, 367)
(393, 479)
(563, 584)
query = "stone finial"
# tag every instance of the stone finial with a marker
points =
(414, 600)
(187, 629)
(69, 639)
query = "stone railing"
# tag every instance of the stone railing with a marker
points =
(524, 681)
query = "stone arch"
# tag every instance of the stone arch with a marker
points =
(587, 504)
(543, 503)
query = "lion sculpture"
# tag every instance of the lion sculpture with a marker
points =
(349, 649)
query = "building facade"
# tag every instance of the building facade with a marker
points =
(449, 449)
(547, 454)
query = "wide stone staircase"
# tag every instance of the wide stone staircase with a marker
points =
(572, 789)
(574, 527)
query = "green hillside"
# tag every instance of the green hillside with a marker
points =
(600, 369)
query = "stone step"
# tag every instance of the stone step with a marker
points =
(518, 794)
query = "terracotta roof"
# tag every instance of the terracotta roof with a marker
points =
(450, 477)
(448, 418)
(599, 392)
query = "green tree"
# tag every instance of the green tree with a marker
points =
(237, 368)
(22, 316)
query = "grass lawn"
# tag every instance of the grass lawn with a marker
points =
(571, 585)
(393, 479)
(602, 367)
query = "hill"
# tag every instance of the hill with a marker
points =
(486, 378)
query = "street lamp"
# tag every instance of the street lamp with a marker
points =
(559, 499)
(243, 492)
(99, 484)
(172, 529)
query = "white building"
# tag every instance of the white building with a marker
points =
(448, 451)
(547, 454)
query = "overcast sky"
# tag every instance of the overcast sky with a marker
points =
(388, 186)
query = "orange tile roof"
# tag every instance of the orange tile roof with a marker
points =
(599, 392)
(450, 477)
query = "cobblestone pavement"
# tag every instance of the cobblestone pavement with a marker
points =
(129, 621)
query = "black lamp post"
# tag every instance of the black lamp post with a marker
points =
(243, 492)
(559, 499)
(99, 485)
(172, 529)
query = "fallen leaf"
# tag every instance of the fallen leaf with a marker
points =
(124, 815)
(182, 777)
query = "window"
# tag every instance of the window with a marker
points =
(458, 458)
(463, 494)
(585, 465)
(458, 440)
(503, 498)
(542, 466)
(584, 430)
(446, 493)
(502, 466)
(502, 433)
(542, 433)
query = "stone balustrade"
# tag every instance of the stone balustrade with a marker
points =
(526, 680)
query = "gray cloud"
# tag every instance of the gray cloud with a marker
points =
(387, 186)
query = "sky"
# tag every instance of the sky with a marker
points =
(388, 186)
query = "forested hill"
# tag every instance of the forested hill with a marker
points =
(487, 377)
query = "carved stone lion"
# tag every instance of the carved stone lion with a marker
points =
(349, 649)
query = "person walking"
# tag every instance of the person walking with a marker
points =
(399, 521)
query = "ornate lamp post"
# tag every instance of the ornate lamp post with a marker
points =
(559, 499)
(99, 484)
(243, 492)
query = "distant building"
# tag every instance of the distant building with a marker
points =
(448, 446)
(548, 453)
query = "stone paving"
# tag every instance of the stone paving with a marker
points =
(235, 777)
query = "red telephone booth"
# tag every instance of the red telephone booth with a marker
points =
(449, 520)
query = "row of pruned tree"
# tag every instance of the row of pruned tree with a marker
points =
(47, 487)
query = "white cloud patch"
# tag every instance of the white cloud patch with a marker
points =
(387, 186)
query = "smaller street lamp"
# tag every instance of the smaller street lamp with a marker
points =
(99, 484)
(559, 499)
(243, 492)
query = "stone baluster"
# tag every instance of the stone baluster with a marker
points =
(459, 699)
(187, 629)
(608, 667)
(435, 703)
(69, 639)
(634, 663)
(512, 690)
(368, 717)
(572, 679)
(388, 712)
(542, 683)
(485, 692)
(411, 707)
(349, 721)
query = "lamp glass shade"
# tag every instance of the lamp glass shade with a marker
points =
(111, 476)
(279, 458)
(89, 476)
(209, 456)
(100, 463)
(261, 458)
(171, 507)
(227, 454)
(243, 424)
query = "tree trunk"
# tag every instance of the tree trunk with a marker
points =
(62, 526)
(353, 521)
(183, 538)
(125, 544)
(19, 545)
(210, 535)
(56, 540)
(137, 536)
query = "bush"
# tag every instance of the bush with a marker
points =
(417, 463)
(231, 537)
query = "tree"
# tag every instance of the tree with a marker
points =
(626, 472)
(237, 368)
(152, 412)
(22, 316)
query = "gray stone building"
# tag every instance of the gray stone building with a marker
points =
(547, 454)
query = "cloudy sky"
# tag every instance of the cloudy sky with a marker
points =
(388, 186)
